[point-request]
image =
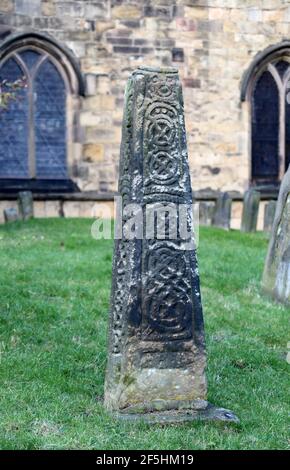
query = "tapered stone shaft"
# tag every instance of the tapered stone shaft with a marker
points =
(276, 277)
(156, 336)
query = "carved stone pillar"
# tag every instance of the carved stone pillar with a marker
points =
(156, 362)
(276, 277)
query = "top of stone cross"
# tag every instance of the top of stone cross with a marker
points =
(158, 69)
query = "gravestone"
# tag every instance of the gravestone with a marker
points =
(222, 212)
(156, 359)
(206, 211)
(25, 204)
(250, 211)
(276, 276)
(269, 214)
(10, 214)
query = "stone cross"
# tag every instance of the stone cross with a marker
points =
(276, 277)
(156, 361)
(269, 214)
(250, 211)
(25, 204)
(222, 212)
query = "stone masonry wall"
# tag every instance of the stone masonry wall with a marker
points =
(212, 42)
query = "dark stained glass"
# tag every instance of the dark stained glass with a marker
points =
(30, 57)
(14, 125)
(282, 66)
(265, 129)
(287, 129)
(50, 123)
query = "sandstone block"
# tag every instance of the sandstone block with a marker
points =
(93, 152)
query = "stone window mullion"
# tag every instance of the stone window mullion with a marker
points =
(31, 143)
(281, 90)
(37, 138)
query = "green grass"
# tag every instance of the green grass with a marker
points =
(55, 285)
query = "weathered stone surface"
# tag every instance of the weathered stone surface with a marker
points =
(28, 7)
(156, 359)
(91, 84)
(276, 277)
(10, 214)
(6, 6)
(250, 211)
(25, 204)
(269, 215)
(225, 32)
(222, 212)
(175, 416)
(206, 211)
(48, 8)
(93, 152)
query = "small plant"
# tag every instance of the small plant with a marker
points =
(9, 91)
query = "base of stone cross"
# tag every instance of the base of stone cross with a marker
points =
(203, 411)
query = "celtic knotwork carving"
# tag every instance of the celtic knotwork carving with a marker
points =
(169, 315)
(164, 88)
(125, 188)
(161, 132)
(156, 325)
(127, 133)
(119, 306)
(168, 306)
(165, 263)
(162, 124)
(163, 167)
(161, 109)
(166, 276)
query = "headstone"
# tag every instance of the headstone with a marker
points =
(156, 360)
(250, 211)
(10, 214)
(269, 214)
(25, 204)
(206, 211)
(276, 277)
(222, 212)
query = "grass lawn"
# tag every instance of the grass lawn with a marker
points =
(54, 299)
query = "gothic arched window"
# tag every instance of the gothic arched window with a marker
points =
(36, 125)
(267, 86)
(265, 128)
